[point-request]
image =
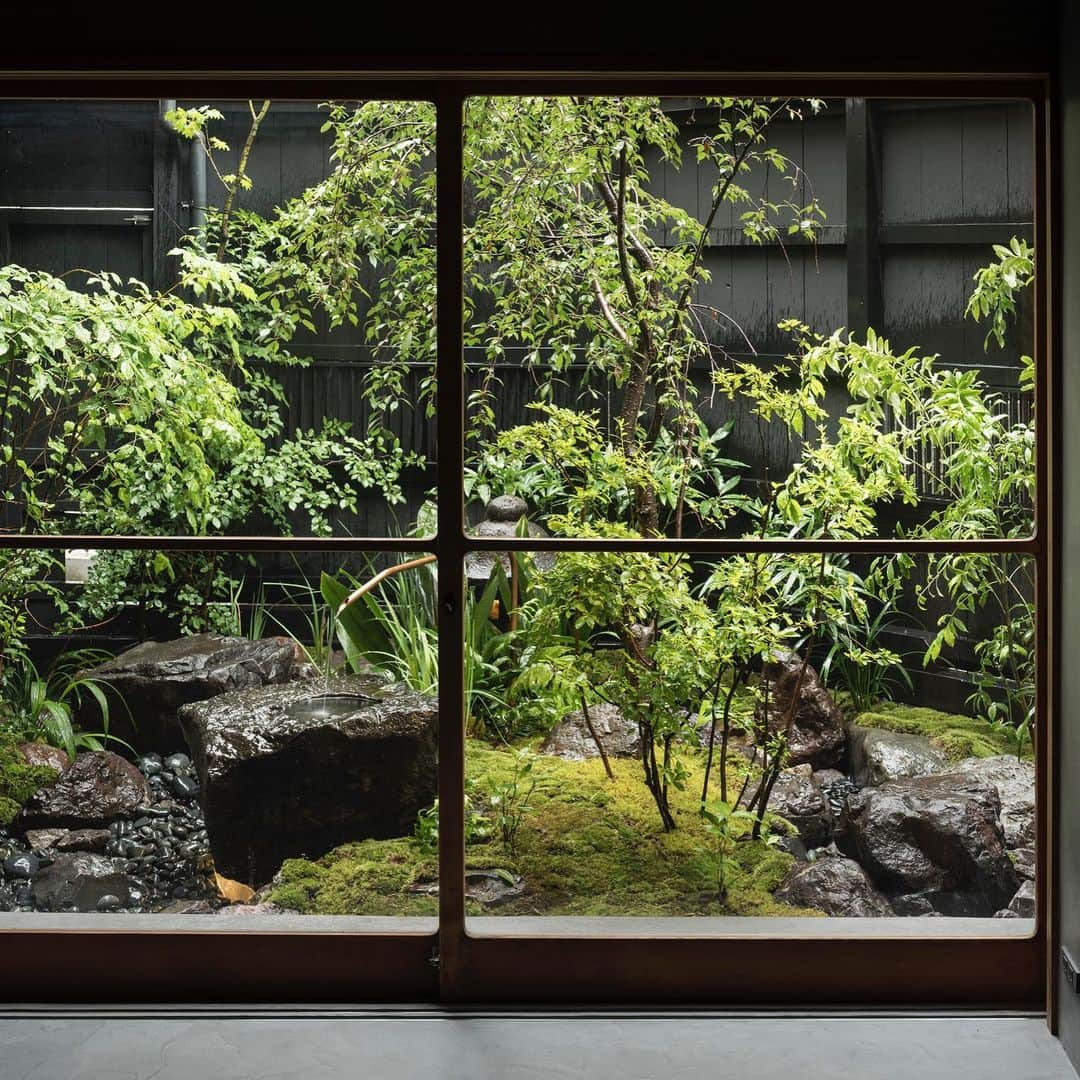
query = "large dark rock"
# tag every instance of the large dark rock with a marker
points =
(798, 798)
(157, 677)
(836, 886)
(97, 788)
(277, 785)
(1015, 784)
(52, 757)
(570, 738)
(817, 726)
(936, 841)
(880, 756)
(78, 882)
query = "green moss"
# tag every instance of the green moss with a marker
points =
(8, 809)
(588, 846)
(18, 781)
(956, 736)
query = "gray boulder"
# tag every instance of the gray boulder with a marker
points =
(97, 788)
(1022, 905)
(570, 738)
(282, 775)
(936, 841)
(78, 882)
(880, 756)
(794, 693)
(836, 886)
(1024, 860)
(796, 797)
(1015, 784)
(154, 679)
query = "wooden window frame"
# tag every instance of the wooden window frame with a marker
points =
(899, 966)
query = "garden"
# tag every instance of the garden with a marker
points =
(742, 730)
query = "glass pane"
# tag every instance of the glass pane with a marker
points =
(676, 324)
(201, 330)
(273, 753)
(760, 735)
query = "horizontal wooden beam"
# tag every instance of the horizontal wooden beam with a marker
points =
(980, 232)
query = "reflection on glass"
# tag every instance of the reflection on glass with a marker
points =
(162, 752)
(763, 734)
(223, 354)
(660, 338)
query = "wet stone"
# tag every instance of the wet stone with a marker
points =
(836, 886)
(276, 785)
(184, 787)
(41, 754)
(77, 882)
(155, 679)
(96, 788)
(932, 842)
(880, 756)
(149, 765)
(21, 867)
(797, 798)
(1014, 781)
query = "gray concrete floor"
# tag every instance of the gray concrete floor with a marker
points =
(435, 1044)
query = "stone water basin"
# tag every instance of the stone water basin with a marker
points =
(285, 772)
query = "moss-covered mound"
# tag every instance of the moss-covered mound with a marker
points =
(18, 781)
(587, 846)
(956, 736)
(593, 846)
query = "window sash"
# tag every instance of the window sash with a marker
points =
(563, 963)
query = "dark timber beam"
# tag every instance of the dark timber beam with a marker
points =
(166, 226)
(863, 275)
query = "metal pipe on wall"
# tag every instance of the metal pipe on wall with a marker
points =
(197, 179)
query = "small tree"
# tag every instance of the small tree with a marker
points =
(563, 258)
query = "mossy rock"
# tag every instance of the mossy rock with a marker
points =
(587, 846)
(18, 780)
(958, 737)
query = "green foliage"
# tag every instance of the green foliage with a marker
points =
(997, 284)
(22, 573)
(856, 661)
(667, 644)
(478, 829)
(569, 255)
(18, 780)
(42, 705)
(565, 467)
(725, 825)
(395, 629)
(509, 799)
(126, 422)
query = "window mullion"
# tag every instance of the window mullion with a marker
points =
(450, 540)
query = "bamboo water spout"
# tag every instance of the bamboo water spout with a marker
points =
(379, 578)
